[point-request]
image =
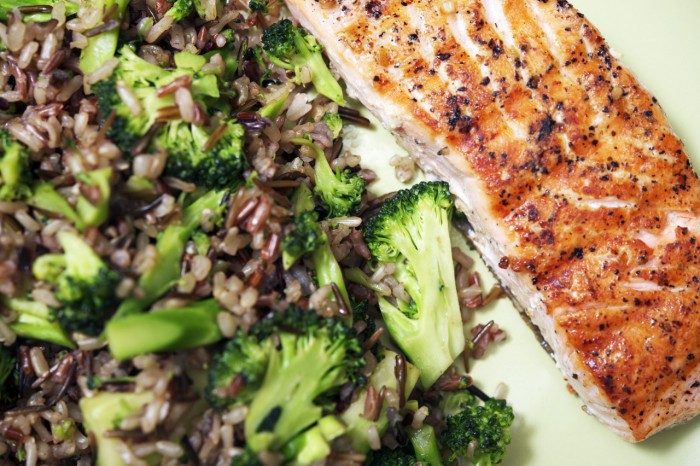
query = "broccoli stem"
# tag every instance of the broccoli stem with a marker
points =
(45, 197)
(103, 46)
(170, 246)
(321, 77)
(164, 330)
(425, 446)
(328, 270)
(36, 321)
(102, 413)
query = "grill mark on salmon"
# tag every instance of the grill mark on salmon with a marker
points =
(564, 164)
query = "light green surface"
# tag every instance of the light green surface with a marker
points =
(659, 41)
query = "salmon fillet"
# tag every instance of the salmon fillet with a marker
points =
(580, 197)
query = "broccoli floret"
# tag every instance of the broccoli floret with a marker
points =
(340, 191)
(247, 458)
(85, 287)
(170, 246)
(388, 457)
(334, 123)
(292, 48)
(173, 329)
(8, 5)
(383, 376)
(488, 424)
(15, 172)
(102, 413)
(315, 357)
(423, 450)
(309, 238)
(87, 212)
(193, 158)
(143, 79)
(180, 9)
(9, 376)
(36, 321)
(102, 47)
(412, 231)
(259, 6)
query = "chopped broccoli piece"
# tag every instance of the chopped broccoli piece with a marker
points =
(382, 376)
(340, 191)
(315, 357)
(259, 6)
(86, 213)
(314, 444)
(388, 457)
(102, 47)
(488, 424)
(36, 321)
(273, 108)
(102, 413)
(412, 231)
(85, 288)
(189, 158)
(95, 383)
(292, 48)
(180, 9)
(309, 238)
(64, 430)
(425, 445)
(247, 458)
(164, 330)
(170, 245)
(334, 123)
(8, 5)
(15, 172)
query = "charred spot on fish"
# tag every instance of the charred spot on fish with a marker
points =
(443, 56)
(413, 37)
(576, 253)
(546, 127)
(496, 48)
(486, 81)
(374, 9)
(533, 82)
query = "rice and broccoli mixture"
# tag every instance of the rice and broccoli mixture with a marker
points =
(192, 270)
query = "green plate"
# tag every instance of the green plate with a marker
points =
(659, 41)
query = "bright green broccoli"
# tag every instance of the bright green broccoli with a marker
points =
(87, 212)
(173, 329)
(143, 79)
(102, 413)
(412, 232)
(292, 48)
(334, 123)
(180, 9)
(260, 6)
(170, 246)
(340, 191)
(36, 321)
(309, 238)
(191, 157)
(283, 383)
(8, 5)
(469, 420)
(85, 286)
(102, 47)
(15, 172)
(423, 450)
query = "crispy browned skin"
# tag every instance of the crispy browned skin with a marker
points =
(582, 198)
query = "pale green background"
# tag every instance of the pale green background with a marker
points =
(660, 41)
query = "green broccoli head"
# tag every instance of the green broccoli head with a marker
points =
(190, 158)
(412, 231)
(305, 238)
(402, 456)
(180, 9)
(15, 170)
(260, 6)
(85, 286)
(334, 123)
(487, 424)
(340, 192)
(315, 356)
(291, 47)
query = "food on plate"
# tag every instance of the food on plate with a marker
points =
(192, 268)
(580, 197)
